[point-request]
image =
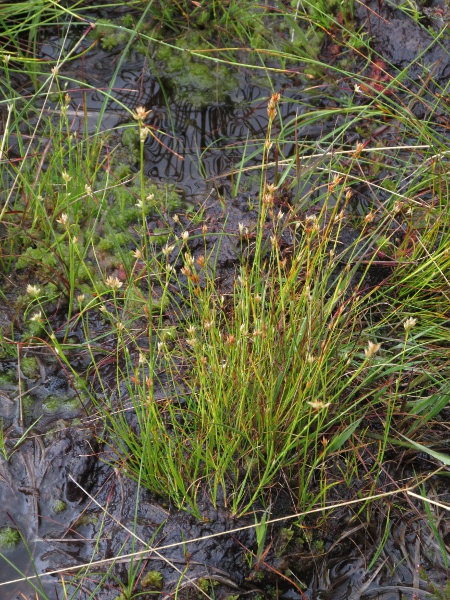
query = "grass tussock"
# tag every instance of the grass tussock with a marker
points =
(331, 343)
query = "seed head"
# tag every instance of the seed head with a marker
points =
(371, 349)
(409, 324)
(63, 219)
(33, 290)
(143, 134)
(113, 282)
(167, 250)
(359, 148)
(318, 404)
(141, 114)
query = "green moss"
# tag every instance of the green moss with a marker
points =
(109, 34)
(8, 378)
(54, 404)
(112, 241)
(152, 580)
(192, 79)
(130, 139)
(32, 256)
(59, 506)
(9, 537)
(29, 367)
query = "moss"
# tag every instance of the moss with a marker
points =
(29, 367)
(130, 139)
(33, 256)
(8, 378)
(152, 580)
(59, 506)
(112, 241)
(9, 537)
(54, 404)
(109, 34)
(192, 79)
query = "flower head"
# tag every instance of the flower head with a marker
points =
(141, 113)
(409, 324)
(65, 175)
(318, 404)
(168, 250)
(33, 290)
(371, 349)
(63, 219)
(143, 134)
(113, 282)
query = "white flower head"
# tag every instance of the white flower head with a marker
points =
(33, 290)
(409, 324)
(143, 134)
(113, 282)
(63, 219)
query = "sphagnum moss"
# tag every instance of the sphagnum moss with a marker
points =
(9, 538)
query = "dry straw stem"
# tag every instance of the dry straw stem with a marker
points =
(157, 550)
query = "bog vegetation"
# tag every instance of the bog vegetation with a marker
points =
(326, 352)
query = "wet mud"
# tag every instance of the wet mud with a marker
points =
(44, 482)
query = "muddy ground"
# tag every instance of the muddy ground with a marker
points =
(324, 558)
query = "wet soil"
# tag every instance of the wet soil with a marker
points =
(320, 558)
